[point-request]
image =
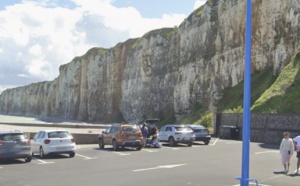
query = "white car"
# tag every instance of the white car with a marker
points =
(53, 142)
(174, 134)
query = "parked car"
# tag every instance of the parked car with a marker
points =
(121, 135)
(174, 134)
(201, 133)
(14, 145)
(47, 142)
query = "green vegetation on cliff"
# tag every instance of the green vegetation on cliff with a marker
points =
(269, 94)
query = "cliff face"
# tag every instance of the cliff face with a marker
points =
(167, 72)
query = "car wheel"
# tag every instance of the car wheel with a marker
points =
(101, 144)
(115, 145)
(72, 154)
(171, 141)
(190, 144)
(139, 148)
(42, 154)
(206, 142)
(28, 159)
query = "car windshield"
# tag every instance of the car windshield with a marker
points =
(12, 137)
(58, 134)
(130, 128)
(183, 129)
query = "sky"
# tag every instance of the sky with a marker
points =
(37, 36)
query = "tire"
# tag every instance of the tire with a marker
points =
(190, 144)
(115, 145)
(172, 142)
(101, 144)
(206, 142)
(42, 154)
(72, 154)
(28, 159)
(139, 148)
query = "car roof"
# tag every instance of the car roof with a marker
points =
(54, 130)
(195, 126)
(173, 125)
(11, 132)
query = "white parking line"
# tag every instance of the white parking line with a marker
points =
(1, 167)
(149, 150)
(121, 154)
(215, 142)
(233, 142)
(159, 167)
(85, 157)
(42, 162)
(264, 152)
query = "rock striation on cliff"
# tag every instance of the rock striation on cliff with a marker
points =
(167, 72)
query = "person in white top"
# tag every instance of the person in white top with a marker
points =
(286, 150)
(297, 147)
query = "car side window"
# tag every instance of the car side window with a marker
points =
(115, 129)
(36, 135)
(108, 130)
(41, 135)
(168, 129)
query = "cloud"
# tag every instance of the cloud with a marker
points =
(199, 3)
(36, 37)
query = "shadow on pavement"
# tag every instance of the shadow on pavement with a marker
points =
(269, 146)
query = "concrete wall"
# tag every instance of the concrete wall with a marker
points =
(264, 128)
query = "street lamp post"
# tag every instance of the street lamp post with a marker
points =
(244, 179)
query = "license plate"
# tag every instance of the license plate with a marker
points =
(132, 137)
(60, 148)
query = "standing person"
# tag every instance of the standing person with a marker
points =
(145, 133)
(297, 147)
(286, 150)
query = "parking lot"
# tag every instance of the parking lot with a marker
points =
(216, 164)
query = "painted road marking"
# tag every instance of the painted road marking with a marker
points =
(85, 157)
(41, 161)
(264, 152)
(149, 150)
(121, 153)
(159, 167)
(215, 142)
(233, 142)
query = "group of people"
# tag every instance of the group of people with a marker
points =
(150, 136)
(287, 148)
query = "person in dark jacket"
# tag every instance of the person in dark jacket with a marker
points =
(145, 133)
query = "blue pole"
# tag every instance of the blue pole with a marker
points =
(247, 97)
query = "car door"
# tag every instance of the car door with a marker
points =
(38, 141)
(34, 143)
(162, 135)
(106, 136)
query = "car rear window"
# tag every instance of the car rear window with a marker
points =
(12, 137)
(58, 134)
(198, 127)
(130, 128)
(183, 129)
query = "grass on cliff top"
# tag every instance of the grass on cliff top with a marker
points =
(284, 95)
(233, 97)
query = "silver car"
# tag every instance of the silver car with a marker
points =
(201, 133)
(53, 142)
(174, 134)
(14, 145)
